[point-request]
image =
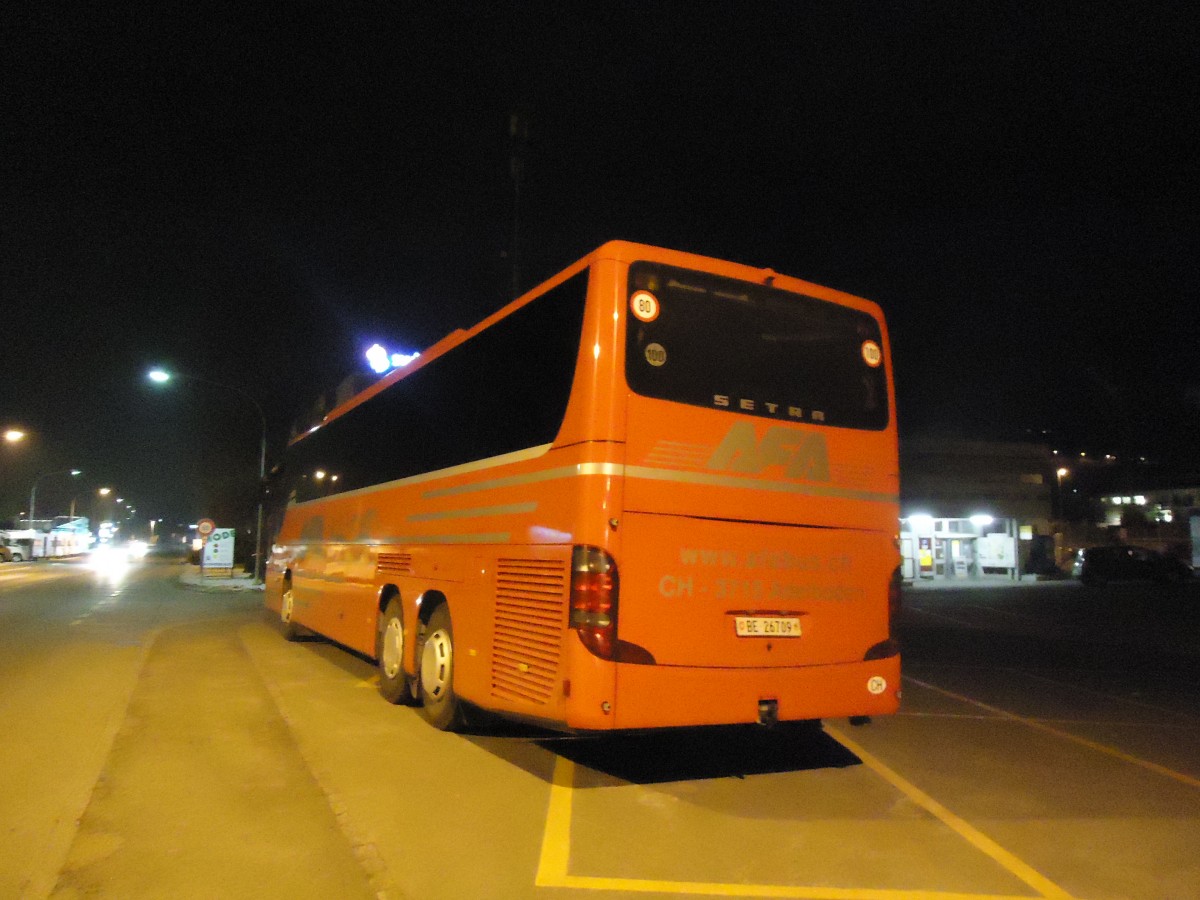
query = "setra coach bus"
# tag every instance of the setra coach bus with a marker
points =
(657, 490)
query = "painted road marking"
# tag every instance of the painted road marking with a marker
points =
(1108, 695)
(991, 717)
(966, 623)
(1065, 735)
(28, 576)
(556, 852)
(1044, 886)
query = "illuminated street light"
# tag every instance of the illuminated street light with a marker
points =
(14, 435)
(104, 527)
(162, 376)
(1061, 473)
(74, 473)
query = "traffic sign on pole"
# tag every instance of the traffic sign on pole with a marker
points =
(217, 556)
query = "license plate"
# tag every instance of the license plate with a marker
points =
(767, 626)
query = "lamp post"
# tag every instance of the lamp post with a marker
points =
(518, 136)
(161, 376)
(100, 513)
(74, 473)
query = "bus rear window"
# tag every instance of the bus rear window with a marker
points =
(719, 343)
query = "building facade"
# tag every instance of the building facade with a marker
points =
(975, 510)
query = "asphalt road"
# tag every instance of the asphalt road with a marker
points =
(162, 741)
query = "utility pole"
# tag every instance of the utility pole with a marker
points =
(159, 376)
(518, 136)
(74, 473)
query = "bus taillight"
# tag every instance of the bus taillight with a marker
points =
(594, 600)
(894, 598)
(891, 646)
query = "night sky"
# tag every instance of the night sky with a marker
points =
(254, 193)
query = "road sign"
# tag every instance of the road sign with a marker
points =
(205, 527)
(218, 550)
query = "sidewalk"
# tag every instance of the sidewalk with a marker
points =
(239, 581)
(984, 581)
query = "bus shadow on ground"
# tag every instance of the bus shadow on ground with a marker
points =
(705, 753)
(684, 754)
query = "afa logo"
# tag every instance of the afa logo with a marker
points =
(801, 454)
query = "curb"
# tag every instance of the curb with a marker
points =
(192, 578)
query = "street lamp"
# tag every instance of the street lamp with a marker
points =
(161, 376)
(1062, 472)
(103, 524)
(74, 473)
(14, 435)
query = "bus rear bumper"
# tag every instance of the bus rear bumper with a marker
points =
(673, 696)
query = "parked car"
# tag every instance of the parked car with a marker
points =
(1122, 562)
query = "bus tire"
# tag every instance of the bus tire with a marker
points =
(394, 684)
(439, 704)
(287, 608)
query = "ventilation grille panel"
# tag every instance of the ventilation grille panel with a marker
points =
(531, 616)
(394, 564)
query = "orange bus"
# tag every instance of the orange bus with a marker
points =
(657, 490)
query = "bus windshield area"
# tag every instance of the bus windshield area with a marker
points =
(719, 343)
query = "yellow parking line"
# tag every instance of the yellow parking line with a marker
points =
(556, 839)
(1065, 735)
(556, 851)
(1043, 885)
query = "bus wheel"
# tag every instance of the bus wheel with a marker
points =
(394, 684)
(287, 606)
(439, 705)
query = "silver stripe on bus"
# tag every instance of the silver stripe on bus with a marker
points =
(494, 537)
(643, 473)
(671, 475)
(528, 478)
(490, 537)
(757, 484)
(478, 512)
